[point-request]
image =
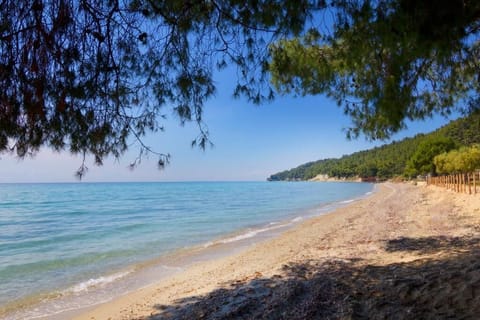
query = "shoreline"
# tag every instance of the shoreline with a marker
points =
(144, 274)
(366, 252)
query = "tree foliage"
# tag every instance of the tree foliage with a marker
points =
(465, 159)
(389, 160)
(387, 61)
(383, 162)
(92, 76)
(421, 161)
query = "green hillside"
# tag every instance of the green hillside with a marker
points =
(386, 161)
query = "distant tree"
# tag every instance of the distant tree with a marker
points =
(465, 159)
(367, 170)
(465, 131)
(445, 162)
(421, 161)
(392, 159)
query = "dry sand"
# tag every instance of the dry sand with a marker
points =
(406, 252)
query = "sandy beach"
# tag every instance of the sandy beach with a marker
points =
(405, 252)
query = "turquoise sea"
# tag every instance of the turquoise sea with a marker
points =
(64, 245)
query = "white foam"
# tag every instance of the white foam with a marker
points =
(246, 235)
(48, 308)
(348, 201)
(208, 244)
(96, 282)
(297, 219)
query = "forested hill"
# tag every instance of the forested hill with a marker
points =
(386, 161)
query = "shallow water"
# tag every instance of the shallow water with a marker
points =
(59, 239)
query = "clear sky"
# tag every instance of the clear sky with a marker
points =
(250, 143)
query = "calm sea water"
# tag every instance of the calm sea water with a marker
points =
(57, 237)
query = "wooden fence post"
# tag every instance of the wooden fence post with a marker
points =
(474, 184)
(468, 182)
(461, 183)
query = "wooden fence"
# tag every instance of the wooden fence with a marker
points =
(462, 182)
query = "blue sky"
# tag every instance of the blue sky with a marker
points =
(250, 143)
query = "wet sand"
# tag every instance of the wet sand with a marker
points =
(404, 252)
